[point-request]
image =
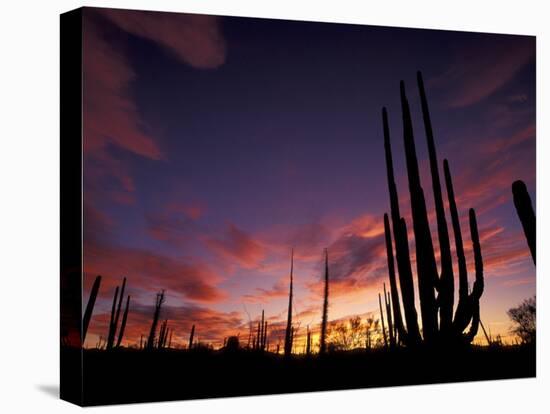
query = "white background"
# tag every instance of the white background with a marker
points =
(29, 206)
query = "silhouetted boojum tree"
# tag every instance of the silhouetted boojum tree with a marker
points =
(264, 341)
(90, 307)
(110, 334)
(288, 332)
(382, 319)
(258, 335)
(153, 332)
(115, 315)
(191, 337)
(163, 335)
(324, 321)
(123, 323)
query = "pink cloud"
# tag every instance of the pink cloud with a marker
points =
(519, 282)
(96, 224)
(175, 223)
(110, 114)
(501, 144)
(261, 295)
(194, 39)
(480, 71)
(192, 210)
(111, 117)
(236, 245)
(357, 258)
(503, 251)
(150, 271)
(501, 160)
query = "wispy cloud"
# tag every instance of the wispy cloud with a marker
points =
(261, 295)
(111, 116)
(480, 70)
(193, 38)
(151, 271)
(238, 246)
(175, 223)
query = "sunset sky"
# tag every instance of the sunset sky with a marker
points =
(212, 146)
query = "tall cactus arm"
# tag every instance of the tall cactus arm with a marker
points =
(474, 326)
(459, 245)
(398, 320)
(477, 289)
(446, 281)
(524, 208)
(471, 310)
(463, 310)
(425, 256)
(402, 255)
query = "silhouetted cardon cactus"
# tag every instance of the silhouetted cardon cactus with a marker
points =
(436, 288)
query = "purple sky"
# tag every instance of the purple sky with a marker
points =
(214, 145)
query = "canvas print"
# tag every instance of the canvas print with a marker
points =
(257, 206)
